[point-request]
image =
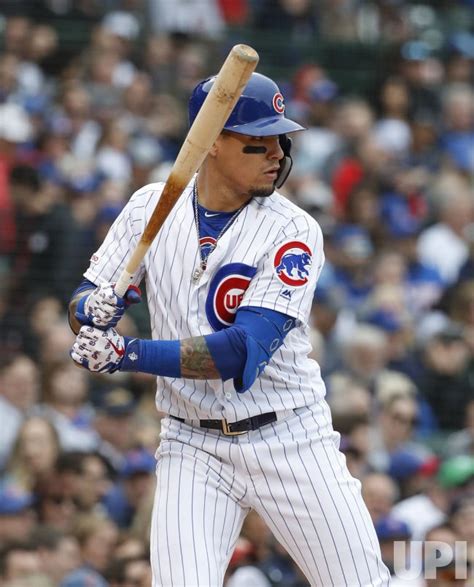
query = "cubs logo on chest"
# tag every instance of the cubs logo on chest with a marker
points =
(226, 291)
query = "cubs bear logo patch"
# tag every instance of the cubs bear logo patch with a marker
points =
(226, 291)
(292, 262)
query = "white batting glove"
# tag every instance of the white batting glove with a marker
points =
(99, 351)
(103, 308)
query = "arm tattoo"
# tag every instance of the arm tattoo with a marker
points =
(196, 360)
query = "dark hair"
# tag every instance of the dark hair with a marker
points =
(70, 462)
(346, 423)
(73, 461)
(26, 176)
(116, 572)
(48, 537)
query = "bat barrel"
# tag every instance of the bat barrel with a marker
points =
(208, 124)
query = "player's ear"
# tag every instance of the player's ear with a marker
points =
(215, 147)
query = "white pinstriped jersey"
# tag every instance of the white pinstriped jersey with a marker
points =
(270, 257)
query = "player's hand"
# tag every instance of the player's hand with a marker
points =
(103, 308)
(99, 351)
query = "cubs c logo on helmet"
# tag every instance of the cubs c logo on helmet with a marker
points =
(278, 103)
(292, 262)
(226, 291)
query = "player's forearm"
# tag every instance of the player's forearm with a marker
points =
(73, 321)
(239, 352)
(83, 289)
(196, 360)
(189, 358)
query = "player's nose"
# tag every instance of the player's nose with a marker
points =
(274, 148)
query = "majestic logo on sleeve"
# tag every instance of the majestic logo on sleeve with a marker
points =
(278, 103)
(226, 291)
(292, 263)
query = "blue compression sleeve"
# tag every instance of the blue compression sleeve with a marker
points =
(248, 345)
(158, 357)
(83, 286)
(257, 330)
(228, 349)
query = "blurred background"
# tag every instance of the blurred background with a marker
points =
(93, 98)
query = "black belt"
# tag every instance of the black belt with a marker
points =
(234, 428)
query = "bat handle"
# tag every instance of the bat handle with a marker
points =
(123, 282)
(127, 275)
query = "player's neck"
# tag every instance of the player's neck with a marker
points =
(215, 195)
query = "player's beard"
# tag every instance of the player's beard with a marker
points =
(261, 192)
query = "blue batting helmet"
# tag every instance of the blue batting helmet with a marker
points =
(259, 112)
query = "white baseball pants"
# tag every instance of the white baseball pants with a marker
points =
(291, 472)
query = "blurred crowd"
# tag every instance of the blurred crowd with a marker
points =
(389, 175)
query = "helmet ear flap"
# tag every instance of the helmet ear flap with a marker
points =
(286, 163)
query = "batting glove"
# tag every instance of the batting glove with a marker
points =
(99, 351)
(103, 308)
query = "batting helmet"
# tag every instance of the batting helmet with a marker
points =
(259, 112)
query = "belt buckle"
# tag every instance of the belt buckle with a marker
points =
(227, 431)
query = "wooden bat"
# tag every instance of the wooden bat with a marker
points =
(209, 122)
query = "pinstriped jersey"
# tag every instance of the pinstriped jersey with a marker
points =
(270, 257)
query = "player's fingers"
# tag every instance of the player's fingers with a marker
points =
(76, 356)
(109, 310)
(88, 335)
(106, 309)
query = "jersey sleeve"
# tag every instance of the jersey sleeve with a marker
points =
(108, 261)
(288, 271)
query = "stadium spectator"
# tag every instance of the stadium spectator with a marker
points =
(65, 394)
(45, 242)
(34, 453)
(462, 442)
(364, 355)
(135, 484)
(19, 392)
(393, 433)
(457, 139)
(203, 19)
(441, 543)
(454, 212)
(461, 516)
(380, 493)
(446, 365)
(129, 571)
(56, 502)
(390, 531)
(15, 130)
(430, 507)
(17, 517)
(58, 553)
(416, 64)
(113, 423)
(19, 565)
(97, 537)
(299, 19)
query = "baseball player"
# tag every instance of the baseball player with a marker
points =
(230, 280)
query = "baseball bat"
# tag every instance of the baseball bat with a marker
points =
(208, 124)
